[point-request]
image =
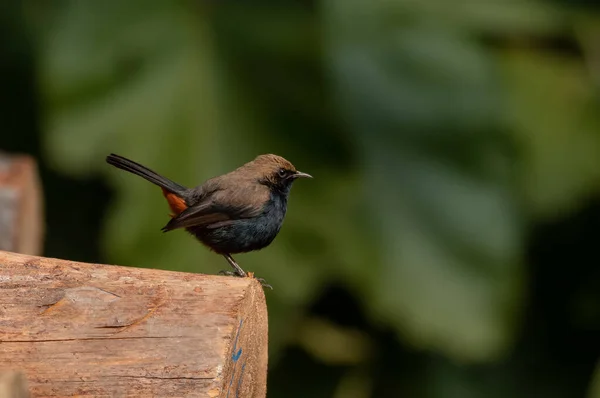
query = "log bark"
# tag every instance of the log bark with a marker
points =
(98, 330)
(21, 214)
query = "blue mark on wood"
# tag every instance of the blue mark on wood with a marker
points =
(235, 356)
(237, 390)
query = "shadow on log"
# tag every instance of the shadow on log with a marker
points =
(98, 330)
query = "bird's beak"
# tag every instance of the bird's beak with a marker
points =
(300, 174)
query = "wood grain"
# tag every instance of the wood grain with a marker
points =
(21, 214)
(78, 329)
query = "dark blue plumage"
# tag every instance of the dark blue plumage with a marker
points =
(246, 234)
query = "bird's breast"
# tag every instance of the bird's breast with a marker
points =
(271, 219)
(247, 234)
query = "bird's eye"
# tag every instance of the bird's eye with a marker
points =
(282, 172)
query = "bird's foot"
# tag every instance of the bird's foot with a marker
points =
(248, 275)
(238, 271)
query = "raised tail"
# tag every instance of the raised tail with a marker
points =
(144, 172)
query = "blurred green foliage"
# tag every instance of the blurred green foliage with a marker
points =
(439, 133)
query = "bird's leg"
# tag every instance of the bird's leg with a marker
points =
(238, 270)
(241, 273)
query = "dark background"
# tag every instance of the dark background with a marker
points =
(447, 244)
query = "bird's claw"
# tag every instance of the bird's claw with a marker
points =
(264, 283)
(260, 280)
(248, 275)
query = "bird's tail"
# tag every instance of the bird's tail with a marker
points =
(144, 172)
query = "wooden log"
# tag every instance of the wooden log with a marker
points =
(99, 330)
(21, 215)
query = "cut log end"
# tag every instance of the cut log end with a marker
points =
(93, 330)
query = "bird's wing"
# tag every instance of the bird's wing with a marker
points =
(222, 206)
(209, 214)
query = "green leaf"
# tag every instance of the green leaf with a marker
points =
(422, 102)
(555, 114)
(154, 114)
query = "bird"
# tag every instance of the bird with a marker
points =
(237, 212)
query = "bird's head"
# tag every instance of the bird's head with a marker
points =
(277, 172)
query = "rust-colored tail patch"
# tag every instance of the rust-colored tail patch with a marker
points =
(176, 203)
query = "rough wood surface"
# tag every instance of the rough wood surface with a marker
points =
(99, 330)
(21, 218)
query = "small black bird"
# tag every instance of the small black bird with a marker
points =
(237, 212)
